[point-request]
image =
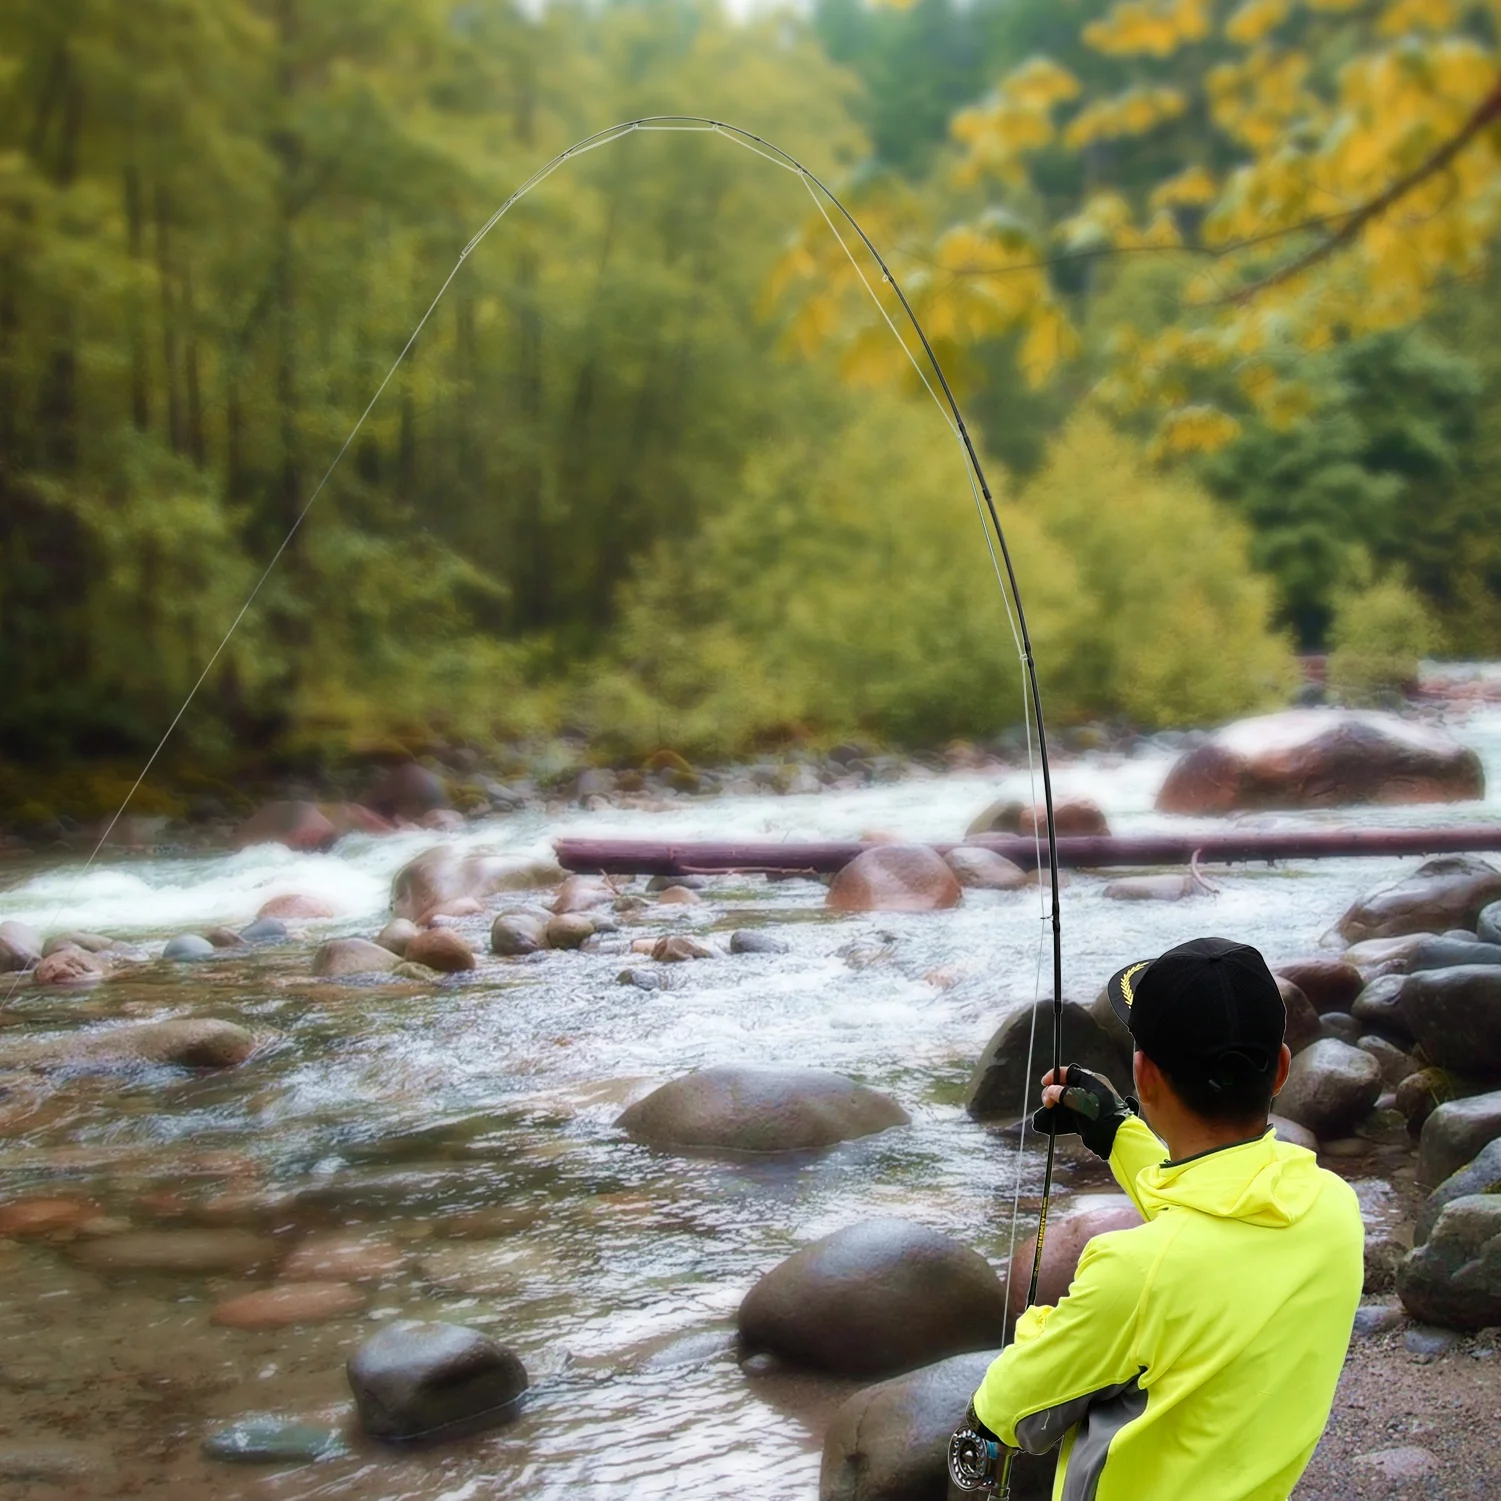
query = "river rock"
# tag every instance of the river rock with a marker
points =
(658, 884)
(679, 896)
(441, 949)
(980, 869)
(268, 1440)
(996, 1086)
(343, 1256)
(580, 893)
(1068, 1233)
(20, 1219)
(442, 875)
(1302, 1026)
(288, 1304)
(1376, 958)
(1455, 1014)
(298, 825)
(1329, 1088)
(514, 933)
(69, 969)
(753, 941)
(177, 1251)
(188, 1042)
(1320, 758)
(397, 934)
(293, 906)
(1482, 1176)
(675, 948)
(90, 943)
(1454, 1278)
(1421, 1093)
(1447, 892)
(1455, 1134)
(889, 1442)
(264, 930)
(1488, 924)
(874, 1299)
(1395, 1064)
(895, 878)
(20, 947)
(568, 930)
(414, 1379)
(760, 1110)
(188, 948)
(1073, 818)
(1292, 1133)
(407, 791)
(1341, 1025)
(1329, 984)
(1168, 886)
(1379, 1008)
(352, 956)
(998, 818)
(1450, 951)
(223, 937)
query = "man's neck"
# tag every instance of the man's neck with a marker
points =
(1189, 1136)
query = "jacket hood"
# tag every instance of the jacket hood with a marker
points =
(1265, 1182)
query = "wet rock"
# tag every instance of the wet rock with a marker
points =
(1454, 1278)
(1448, 892)
(298, 825)
(343, 1257)
(1421, 1093)
(753, 941)
(1372, 1319)
(1320, 758)
(407, 791)
(568, 930)
(999, 818)
(1302, 1027)
(90, 943)
(352, 956)
(418, 974)
(1073, 817)
(1166, 887)
(1455, 1014)
(1376, 958)
(1488, 924)
(188, 1042)
(580, 893)
(264, 930)
(679, 896)
(1329, 984)
(1382, 1256)
(1329, 1088)
(980, 869)
(268, 1440)
(397, 934)
(1404, 1464)
(760, 1110)
(643, 979)
(1068, 1233)
(889, 1442)
(412, 1380)
(659, 884)
(22, 1218)
(356, 818)
(223, 938)
(1292, 1133)
(894, 878)
(1379, 1007)
(292, 906)
(1448, 951)
(288, 1304)
(86, 1469)
(188, 948)
(677, 948)
(1395, 1064)
(874, 1299)
(20, 947)
(1482, 1176)
(1338, 1025)
(69, 969)
(514, 933)
(996, 1086)
(178, 1251)
(1455, 1133)
(442, 875)
(441, 949)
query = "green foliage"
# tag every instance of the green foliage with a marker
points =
(1379, 635)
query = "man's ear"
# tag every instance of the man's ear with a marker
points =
(1147, 1077)
(1284, 1062)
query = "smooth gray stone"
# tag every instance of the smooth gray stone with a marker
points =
(1453, 1279)
(1455, 1014)
(265, 930)
(1448, 951)
(1488, 924)
(188, 948)
(1378, 1318)
(1482, 1176)
(1329, 1088)
(273, 1441)
(750, 941)
(1455, 1133)
(1423, 1340)
(1000, 1079)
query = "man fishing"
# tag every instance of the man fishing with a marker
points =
(1195, 1357)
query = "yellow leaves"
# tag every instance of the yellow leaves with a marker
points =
(1040, 83)
(1050, 340)
(1256, 19)
(1192, 187)
(1016, 119)
(1195, 428)
(1151, 28)
(1129, 114)
(1403, 16)
(1254, 101)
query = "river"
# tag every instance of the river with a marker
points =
(470, 1126)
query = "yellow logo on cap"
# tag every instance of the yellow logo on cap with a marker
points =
(1126, 980)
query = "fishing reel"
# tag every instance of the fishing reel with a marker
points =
(977, 1463)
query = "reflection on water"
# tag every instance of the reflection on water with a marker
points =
(467, 1129)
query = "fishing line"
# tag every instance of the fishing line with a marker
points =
(948, 408)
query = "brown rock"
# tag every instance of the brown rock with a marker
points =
(1444, 893)
(20, 947)
(1320, 758)
(980, 869)
(579, 893)
(293, 1303)
(895, 878)
(1073, 817)
(1068, 1234)
(441, 875)
(298, 825)
(680, 896)
(396, 935)
(441, 949)
(292, 906)
(180, 1251)
(1302, 1020)
(21, 1218)
(1329, 984)
(356, 818)
(1421, 1093)
(343, 1258)
(407, 791)
(189, 1042)
(677, 947)
(352, 956)
(459, 906)
(568, 930)
(69, 969)
(90, 943)
(1376, 958)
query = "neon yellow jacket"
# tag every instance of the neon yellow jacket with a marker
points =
(1195, 1357)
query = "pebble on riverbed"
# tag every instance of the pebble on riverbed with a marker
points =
(273, 1441)
(288, 1304)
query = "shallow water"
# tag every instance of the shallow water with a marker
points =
(471, 1124)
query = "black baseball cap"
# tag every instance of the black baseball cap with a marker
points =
(1210, 1005)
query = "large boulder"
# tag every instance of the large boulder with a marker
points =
(407, 791)
(1329, 984)
(758, 1110)
(1379, 1008)
(352, 956)
(518, 932)
(1455, 1133)
(1448, 892)
(20, 947)
(980, 869)
(1320, 758)
(889, 1442)
(1482, 1176)
(1302, 1026)
(1376, 958)
(441, 949)
(1488, 924)
(1455, 1014)
(1454, 1278)
(186, 1042)
(442, 875)
(1330, 1087)
(298, 825)
(895, 878)
(1068, 1233)
(873, 1299)
(295, 906)
(1448, 951)
(1073, 817)
(1000, 1078)
(69, 969)
(418, 1380)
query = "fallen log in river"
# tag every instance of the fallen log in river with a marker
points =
(682, 858)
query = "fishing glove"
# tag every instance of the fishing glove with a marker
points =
(1090, 1108)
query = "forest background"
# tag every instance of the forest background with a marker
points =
(653, 477)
